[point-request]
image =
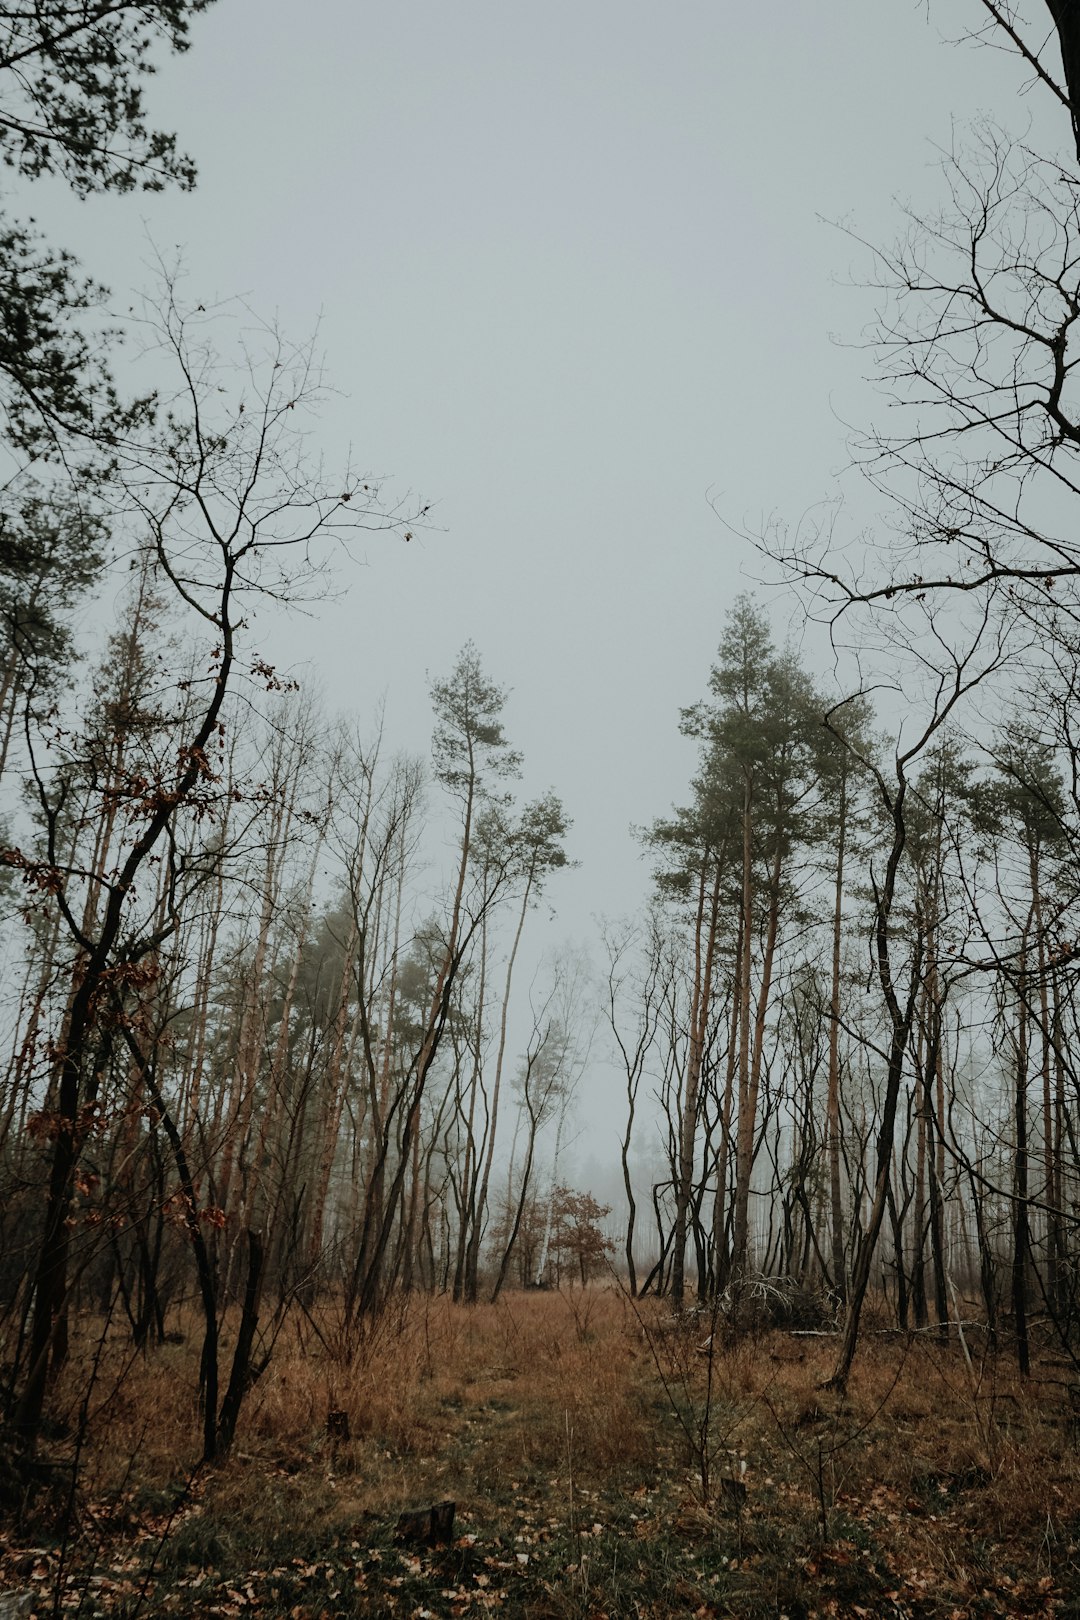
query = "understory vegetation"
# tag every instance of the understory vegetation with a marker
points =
(573, 1432)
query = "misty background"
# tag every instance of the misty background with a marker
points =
(591, 280)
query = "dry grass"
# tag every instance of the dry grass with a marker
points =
(593, 1471)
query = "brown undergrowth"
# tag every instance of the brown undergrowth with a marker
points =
(605, 1459)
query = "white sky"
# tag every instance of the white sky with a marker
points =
(572, 277)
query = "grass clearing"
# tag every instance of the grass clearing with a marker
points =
(593, 1475)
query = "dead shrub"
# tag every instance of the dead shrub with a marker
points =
(758, 1305)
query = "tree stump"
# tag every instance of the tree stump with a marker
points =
(427, 1527)
(337, 1426)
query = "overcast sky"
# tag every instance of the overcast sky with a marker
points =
(577, 273)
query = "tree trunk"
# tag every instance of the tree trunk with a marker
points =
(705, 928)
(836, 1209)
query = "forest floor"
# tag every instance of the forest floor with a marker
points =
(602, 1462)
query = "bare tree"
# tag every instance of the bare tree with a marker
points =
(646, 995)
(223, 504)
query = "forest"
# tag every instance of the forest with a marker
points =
(298, 1265)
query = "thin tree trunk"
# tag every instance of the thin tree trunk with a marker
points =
(747, 1132)
(1021, 1228)
(900, 1018)
(699, 1018)
(836, 1209)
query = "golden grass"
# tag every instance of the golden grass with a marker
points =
(577, 1431)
